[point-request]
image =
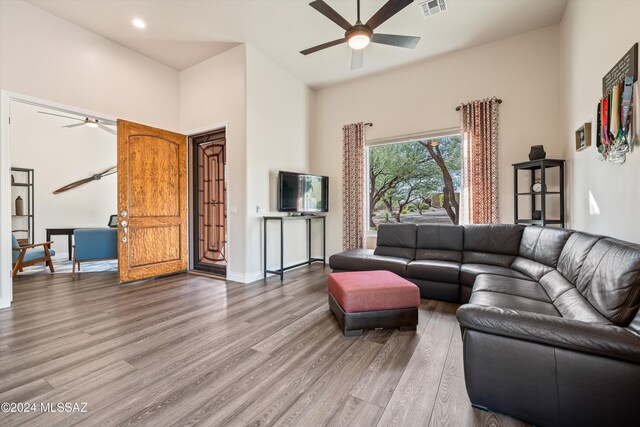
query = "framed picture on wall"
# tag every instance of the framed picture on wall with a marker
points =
(583, 137)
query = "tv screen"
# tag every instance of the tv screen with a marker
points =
(298, 192)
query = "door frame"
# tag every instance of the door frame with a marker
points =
(190, 202)
(6, 97)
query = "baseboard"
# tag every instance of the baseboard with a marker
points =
(244, 277)
(5, 303)
(259, 275)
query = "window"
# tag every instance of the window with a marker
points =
(416, 181)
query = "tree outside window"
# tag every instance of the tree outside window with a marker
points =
(415, 181)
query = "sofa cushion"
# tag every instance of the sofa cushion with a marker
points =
(440, 242)
(364, 259)
(36, 254)
(397, 240)
(468, 272)
(95, 243)
(495, 244)
(436, 271)
(568, 301)
(531, 268)
(610, 279)
(555, 284)
(543, 244)
(574, 253)
(511, 286)
(512, 302)
(572, 305)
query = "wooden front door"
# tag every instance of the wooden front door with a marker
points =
(152, 202)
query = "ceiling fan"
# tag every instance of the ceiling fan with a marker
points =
(87, 121)
(359, 35)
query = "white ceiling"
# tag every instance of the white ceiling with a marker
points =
(181, 33)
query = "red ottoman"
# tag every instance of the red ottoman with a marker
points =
(373, 299)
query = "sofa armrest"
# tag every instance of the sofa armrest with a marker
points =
(603, 340)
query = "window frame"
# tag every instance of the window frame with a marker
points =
(440, 133)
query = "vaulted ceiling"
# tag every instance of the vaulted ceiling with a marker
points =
(181, 33)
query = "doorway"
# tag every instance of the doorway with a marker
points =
(209, 195)
(63, 179)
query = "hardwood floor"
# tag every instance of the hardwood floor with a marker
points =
(187, 349)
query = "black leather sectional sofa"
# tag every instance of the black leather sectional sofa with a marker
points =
(550, 320)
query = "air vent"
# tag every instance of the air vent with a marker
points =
(433, 7)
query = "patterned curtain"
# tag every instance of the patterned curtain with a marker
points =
(353, 175)
(479, 124)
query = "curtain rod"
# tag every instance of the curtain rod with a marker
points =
(369, 124)
(499, 101)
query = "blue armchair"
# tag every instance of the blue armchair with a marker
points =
(94, 244)
(24, 256)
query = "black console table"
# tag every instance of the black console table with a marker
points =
(310, 260)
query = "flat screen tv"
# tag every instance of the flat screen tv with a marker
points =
(302, 193)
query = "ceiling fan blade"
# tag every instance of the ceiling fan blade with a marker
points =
(389, 9)
(408, 42)
(60, 115)
(103, 127)
(327, 11)
(323, 46)
(74, 125)
(357, 59)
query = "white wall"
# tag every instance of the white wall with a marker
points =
(522, 70)
(60, 156)
(213, 93)
(278, 131)
(588, 51)
(49, 58)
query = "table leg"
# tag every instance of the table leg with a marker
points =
(324, 240)
(70, 244)
(281, 250)
(309, 240)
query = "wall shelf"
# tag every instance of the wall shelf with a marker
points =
(23, 186)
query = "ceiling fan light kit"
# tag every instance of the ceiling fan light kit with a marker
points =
(359, 35)
(92, 123)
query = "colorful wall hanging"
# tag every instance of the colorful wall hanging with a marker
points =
(614, 115)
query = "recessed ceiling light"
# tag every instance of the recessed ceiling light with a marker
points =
(138, 23)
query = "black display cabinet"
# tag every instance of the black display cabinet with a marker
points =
(539, 200)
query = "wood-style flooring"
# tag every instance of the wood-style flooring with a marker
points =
(187, 349)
